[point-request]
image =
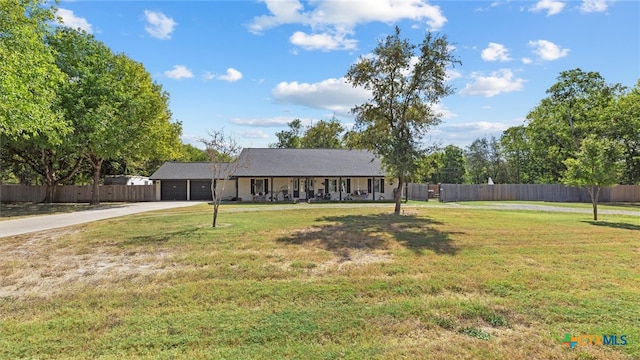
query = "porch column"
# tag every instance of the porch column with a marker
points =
(158, 190)
(340, 187)
(188, 190)
(271, 179)
(237, 191)
(373, 188)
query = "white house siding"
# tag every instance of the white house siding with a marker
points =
(229, 190)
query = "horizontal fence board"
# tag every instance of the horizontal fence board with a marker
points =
(535, 192)
(77, 193)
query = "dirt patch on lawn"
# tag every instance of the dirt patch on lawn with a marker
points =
(355, 259)
(46, 263)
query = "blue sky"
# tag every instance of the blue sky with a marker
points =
(250, 67)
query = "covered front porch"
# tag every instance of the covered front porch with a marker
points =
(314, 188)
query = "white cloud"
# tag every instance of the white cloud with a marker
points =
(477, 127)
(552, 7)
(335, 95)
(69, 19)
(453, 74)
(589, 6)
(548, 51)
(279, 121)
(232, 75)
(253, 134)
(324, 42)
(495, 52)
(159, 25)
(332, 21)
(282, 12)
(526, 61)
(499, 82)
(178, 72)
(463, 134)
(444, 111)
(206, 76)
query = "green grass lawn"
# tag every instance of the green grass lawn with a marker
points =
(630, 206)
(323, 283)
(22, 210)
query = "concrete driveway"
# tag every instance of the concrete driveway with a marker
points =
(47, 222)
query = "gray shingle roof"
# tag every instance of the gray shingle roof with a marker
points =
(175, 170)
(308, 163)
(283, 163)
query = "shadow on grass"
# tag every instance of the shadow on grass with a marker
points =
(375, 232)
(159, 238)
(615, 225)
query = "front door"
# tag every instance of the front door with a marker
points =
(296, 188)
(309, 186)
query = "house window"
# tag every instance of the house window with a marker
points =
(377, 185)
(259, 186)
(333, 185)
(345, 185)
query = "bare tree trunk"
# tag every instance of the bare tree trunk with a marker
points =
(216, 200)
(216, 205)
(97, 165)
(50, 193)
(594, 191)
(398, 194)
(49, 177)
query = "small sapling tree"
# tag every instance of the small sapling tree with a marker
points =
(596, 165)
(223, 151)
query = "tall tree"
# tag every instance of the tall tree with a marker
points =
(452, 170)
(55, 164)
(596, 165)
(428, 169)
(478, 161)
(323, 135)
(625, 128)
(566, 116)
(33, 132)
(192, 153)
(405, 88)
(289, 139)
(515, 148)
(28, 74)
(117, 111)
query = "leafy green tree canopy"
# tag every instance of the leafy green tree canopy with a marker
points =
(323, 135)
(595, 166)
(28, 74)
(117, 111)
(566, 116)
(289, 139)
(405, 85)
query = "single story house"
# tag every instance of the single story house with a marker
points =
(279, 174)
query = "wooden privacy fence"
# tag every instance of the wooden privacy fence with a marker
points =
(422, 191)
(535, 192)
(77, 193)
